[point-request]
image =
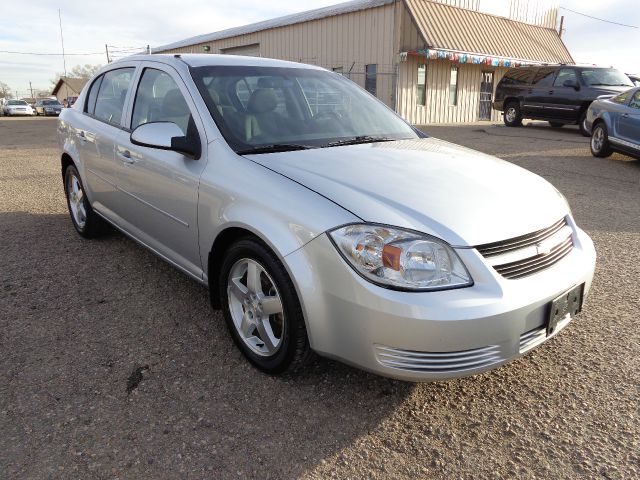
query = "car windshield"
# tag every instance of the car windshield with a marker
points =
(16, 102)
(262, 109)
(50, 102)
(609, 77)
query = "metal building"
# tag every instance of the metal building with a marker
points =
(433, 61)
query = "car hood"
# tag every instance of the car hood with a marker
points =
(462, 196)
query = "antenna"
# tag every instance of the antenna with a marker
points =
(64, 61)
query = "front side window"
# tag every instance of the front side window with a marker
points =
(605, 77)
(566, 75)
(370, 81)
(635, 101)
(544, 77)
(159, 99)
(621, 99)
(260, 106)
(453, 86)
(421, 85)
(112, 94)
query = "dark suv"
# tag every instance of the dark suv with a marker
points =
(559, 94)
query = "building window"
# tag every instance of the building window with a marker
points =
(337, 70)
(453, 87)
(421, 85)
(370, 78)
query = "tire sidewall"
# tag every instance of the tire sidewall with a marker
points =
(252, 249)
(604, 149)
(72, 170)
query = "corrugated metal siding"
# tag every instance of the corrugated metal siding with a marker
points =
(444, 26)
(316, 14)
(351, 41)
(437, 108)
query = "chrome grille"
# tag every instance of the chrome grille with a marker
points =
(438, 362)
(530, 265)
(516, 243)
(520, 256)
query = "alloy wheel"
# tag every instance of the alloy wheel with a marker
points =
(597, 139)
(76, 200)
(256, 307)
(511, 114)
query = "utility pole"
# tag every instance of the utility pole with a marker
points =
(148, 50)
(64, 61)
(31, 88)
(106, 49)
(561, 26)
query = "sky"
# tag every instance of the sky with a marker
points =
(32, 26)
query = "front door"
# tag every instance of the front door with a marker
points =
(629, 123)
(564, 98)
(486, 96)
(161, 186)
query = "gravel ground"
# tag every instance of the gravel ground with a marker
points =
(115, 366)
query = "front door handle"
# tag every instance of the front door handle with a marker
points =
(550, 92)
(625, 115)
(125, 156)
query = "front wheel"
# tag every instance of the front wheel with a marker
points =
(261, 308)
(582, 123)
(600, 141)
(86, 222)
(513, 115)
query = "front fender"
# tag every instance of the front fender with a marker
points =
(236, 192)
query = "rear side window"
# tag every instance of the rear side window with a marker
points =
(93, 94)
(566, 74)
(517, 76)
(544, 77)
(111, 96)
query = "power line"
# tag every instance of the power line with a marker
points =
(599, 19)
(50, 54)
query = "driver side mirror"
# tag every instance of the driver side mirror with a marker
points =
(571, 84)
(166, 136)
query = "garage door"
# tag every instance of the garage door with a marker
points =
(252, 50)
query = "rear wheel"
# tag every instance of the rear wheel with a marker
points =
(512, 115)
(600, 146)
(261, 308)
(556, 124)
(86, 222)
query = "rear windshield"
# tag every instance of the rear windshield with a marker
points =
(517, 76)
(16, 102)
(50, 102)
(605, 77)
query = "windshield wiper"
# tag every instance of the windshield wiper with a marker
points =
(274, 148)
(357, 140)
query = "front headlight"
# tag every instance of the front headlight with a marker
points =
(400, 259)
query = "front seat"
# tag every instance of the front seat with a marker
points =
(175, 109)
(262, 119)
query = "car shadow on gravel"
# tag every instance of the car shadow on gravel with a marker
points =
(116, 364)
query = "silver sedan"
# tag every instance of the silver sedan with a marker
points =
(319, 220)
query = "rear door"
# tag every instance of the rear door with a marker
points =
(564, 100)
(538, 99)
(96, 132)
(160, 187)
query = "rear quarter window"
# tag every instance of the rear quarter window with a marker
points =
(517, 76)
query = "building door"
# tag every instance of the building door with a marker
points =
(486, 96)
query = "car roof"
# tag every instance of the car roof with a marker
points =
(209, 59)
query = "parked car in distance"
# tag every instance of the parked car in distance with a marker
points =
(615, 124)
(559, 94)
(69, 101)
(301, 201)
(47, 107)
(17, 107)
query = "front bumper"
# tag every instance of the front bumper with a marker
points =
(422, 336)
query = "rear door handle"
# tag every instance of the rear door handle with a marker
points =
(550, 92)
(625, 115)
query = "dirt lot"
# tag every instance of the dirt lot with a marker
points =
(79, 318)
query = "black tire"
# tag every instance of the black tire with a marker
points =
(582, 124)
(556, 124)
(600, 146)
(94, 226)
(294, 351)
(512, 114)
